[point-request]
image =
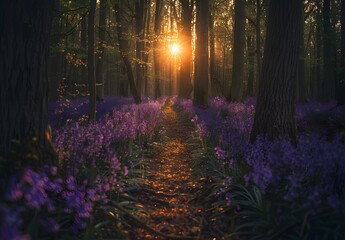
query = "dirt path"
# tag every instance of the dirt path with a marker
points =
(169, 188)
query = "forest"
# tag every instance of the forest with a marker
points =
(172, 119)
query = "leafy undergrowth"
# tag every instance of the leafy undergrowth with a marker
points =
(167, 170)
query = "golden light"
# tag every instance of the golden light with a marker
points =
(175, 49)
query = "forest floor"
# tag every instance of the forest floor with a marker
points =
(170, 193)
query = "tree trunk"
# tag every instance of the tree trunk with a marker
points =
(318, 84)
(258, 42)
(301, 83)
(24, 38)
(341, 79)
(124, 50)
(83, 45)
(275, 110)
(156, 46)
(91, 61)
(201, 77)
(101, 55)
(251, 56)
(147, 44)
(139, 31)
(328, 83)
(216, 89)
(185, 85)
(236, 90)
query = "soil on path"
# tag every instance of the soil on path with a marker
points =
(169, 189)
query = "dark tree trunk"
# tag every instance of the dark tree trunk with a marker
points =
(201, 77)
(91, 61)
(139, 31)
(24, 38)
(147, 44)
(258, 42)
(251, 56)
(318, 79)
(101, 54)
(236, 90)
(216, 88)
(275, 110)
(83, 45)
(328, 83)
(124, 50)
(301, 83)
(341, 80)
(185, 85)
(156, 46)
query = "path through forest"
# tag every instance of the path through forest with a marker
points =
(169, 191)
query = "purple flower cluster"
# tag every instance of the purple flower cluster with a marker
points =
(91, 162)
(83, 146)
(308, 175)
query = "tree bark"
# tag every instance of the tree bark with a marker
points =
(328, 83)
(156, 46)
(124, 50)
(251, 56)
(301, 83)
(258, 42)
(91, 61)
(275, 110)
(236, 90)
(101, 54)
(139, 31)
(24, 46)
(185, 85)
(341, 79)
(147, 44)
(201, 75)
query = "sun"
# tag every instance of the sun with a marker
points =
(175, 49)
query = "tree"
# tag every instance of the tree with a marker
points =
(185, 86)
(275, 110)
(91, 61)
(236, 90)
(101, 55)
(341, 81)
(201, 78)
(328, 83)
(125, 49)
(156, 46)
(24, 38)
(139, 31)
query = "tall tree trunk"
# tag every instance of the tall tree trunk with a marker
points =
(341, 79)
(157, 50)
(91, 61)
(275, 110)
(83, 45)
(318, 73)
(24, 47)
(216, 89)
(236, 89)
(185, 85)
(201, 77)
(251, 56)
(328, 83)
(101, 54)
(301, 83)
(124, 50)
(139, 31)
(258, 42)
(147, 44)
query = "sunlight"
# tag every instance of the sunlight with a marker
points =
(175, 49)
